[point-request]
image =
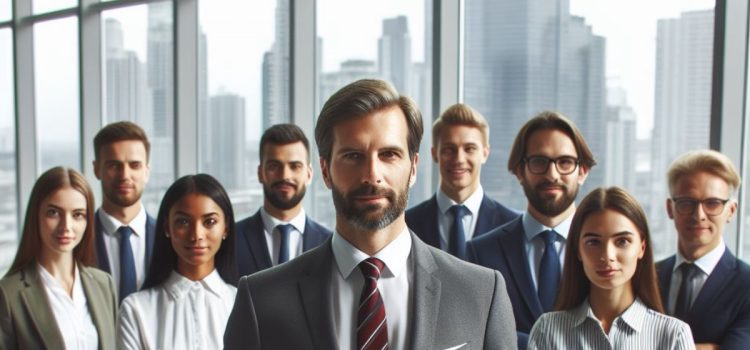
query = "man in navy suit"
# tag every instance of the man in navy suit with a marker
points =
(704, 284)
(280, 230)
(124, 231)
(551, 160)
(460, 209)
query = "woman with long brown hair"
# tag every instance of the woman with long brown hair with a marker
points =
(51, 298)
(609, 297)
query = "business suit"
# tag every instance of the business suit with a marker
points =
(453, 303)
(423, 219)
(504, 249)
(252, 249)
(102, 259)
(721, 312)
(27, 320)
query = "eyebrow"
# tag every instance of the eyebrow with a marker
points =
(180, 212)
(61, 208)
(618, 234)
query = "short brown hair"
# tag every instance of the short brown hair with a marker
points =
(549, 120)
(575, 286)
(461, 114)
(283, 134)
(359, 99)
(120, 131)
(706, 160)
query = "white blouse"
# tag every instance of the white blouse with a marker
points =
(179, 314)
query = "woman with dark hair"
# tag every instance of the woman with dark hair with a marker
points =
(51, 297)
(609, 296)
(187, 296)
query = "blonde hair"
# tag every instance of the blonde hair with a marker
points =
(706, 160)
(460, 114)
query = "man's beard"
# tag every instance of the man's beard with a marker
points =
(371, 217)
(550, 206)
(281, 203)
(121, 201)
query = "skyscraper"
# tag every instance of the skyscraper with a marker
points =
(276, 71)
(226, 140)
(394, 53)
(126, 97)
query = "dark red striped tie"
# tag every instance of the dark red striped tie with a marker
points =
(372, 328)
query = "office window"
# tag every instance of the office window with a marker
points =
(8, 210)
(635, 77)
(138, 84)
(56, 92)
(44, 6)
(5, 10)
(243, 88)
(389, 40)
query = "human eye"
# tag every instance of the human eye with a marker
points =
(295, 166)
(713, 203)
(352, 156)
(210, 222)
(389, 154)
(79, 215)
(566, 162)
(470, 149)
(591, 242)
(52, 212)
(447, 150)
(135, 165)
(622, 242)
(181, 221)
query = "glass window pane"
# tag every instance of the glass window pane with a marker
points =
(234, 107)
(57, 93)
(5, 10)
(8, 213)
(385, 39)
(44, 6)
(138, 84)
(634, 76)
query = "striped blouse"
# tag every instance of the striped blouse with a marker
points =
(637, 328)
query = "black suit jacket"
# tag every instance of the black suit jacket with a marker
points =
(102, 260)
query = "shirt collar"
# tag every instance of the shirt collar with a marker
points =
(472, 203)
(111, 224)
(532, 227)
(633, 316)
(270, 222)
(706, 263)
(177, 285)
(50, 282)
(394, 255)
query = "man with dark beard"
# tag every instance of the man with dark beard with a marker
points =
(374, 284)
(551, 160)
(280, 230)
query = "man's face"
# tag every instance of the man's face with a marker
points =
(285, 174)
(122, 168)
(698, 233)
(460, 153)
(551, 193)
(370, 171)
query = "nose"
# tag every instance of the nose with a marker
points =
(286, 172)
(552, 174)
(197, 232)
(699, 214)
(66, 223)
(460, 156)
(372, 172)
(609, 252)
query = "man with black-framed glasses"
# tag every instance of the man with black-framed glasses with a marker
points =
(704, 284)
(551, 160)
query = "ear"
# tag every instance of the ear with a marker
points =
(485, 154)
(148, 172)
(325, 173)
(97, 173)
(260, 173)
(309, 173)
(413, 176)
(669, 209)
(518, 172)
(643, 250)
(732, 209)
(433, 151)
(583, 173)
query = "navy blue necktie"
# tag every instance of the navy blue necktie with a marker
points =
(457, 244)
(127, 263)
(284, 231)
(685, 294)
(549, 272)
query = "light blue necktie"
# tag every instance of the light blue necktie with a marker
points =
(549, 272)
(127, 263)
(284, 231)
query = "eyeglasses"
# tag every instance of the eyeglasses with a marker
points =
(711, 206)
(538, 165)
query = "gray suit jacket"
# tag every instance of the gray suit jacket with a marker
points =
(287, 307)
(27, 321)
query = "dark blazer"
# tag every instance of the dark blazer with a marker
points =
(26, 318)
(252, 250)
(102, 260)
(453, 303)
(423, 219)
(721, 311)
(504, 249)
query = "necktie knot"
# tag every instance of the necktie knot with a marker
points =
(549, 237)
(689, 271)
(459, 211)
(125, 232)
(284, 231)
(371, 268)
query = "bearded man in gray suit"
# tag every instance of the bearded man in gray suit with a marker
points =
(373, 284)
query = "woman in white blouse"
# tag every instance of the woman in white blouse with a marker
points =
(609, 297)
(187, 296)
(50, 298)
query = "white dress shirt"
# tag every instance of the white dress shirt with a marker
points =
(393, 285)
(535, 242)
(179, 314)
(273, 237)
(705, 264)
(71, 314)
(445, 220)
(111, 238)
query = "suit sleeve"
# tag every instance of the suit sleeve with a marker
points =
(7, 332)
(738, 334)
(242, 327)
(501, 325)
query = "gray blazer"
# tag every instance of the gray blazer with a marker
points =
(26, 318)
(454, 303)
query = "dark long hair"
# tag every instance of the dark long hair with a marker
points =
(164, 259)
(48, 183)
(575, 285)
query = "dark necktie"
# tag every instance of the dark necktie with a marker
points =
(284, 231)
(457, 244)
(127, 263)
(685, 294)
(549, 271)
(372, 328)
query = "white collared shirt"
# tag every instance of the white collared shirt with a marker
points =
(111, 238)
(535, 242)
(179, 314)
(445, 220)
(705, 264)
(71, 314)
(393, 285)
(273, 237)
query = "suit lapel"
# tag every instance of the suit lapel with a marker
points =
(36, 303)
(315, 290)
(430, 229)
(96, 302)
(514, 251)
(484, 218)
(664, 273)
(256, 240)
(311, 238)
(101, 250)
(150, 235)
(426, 296)
(717, 280)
